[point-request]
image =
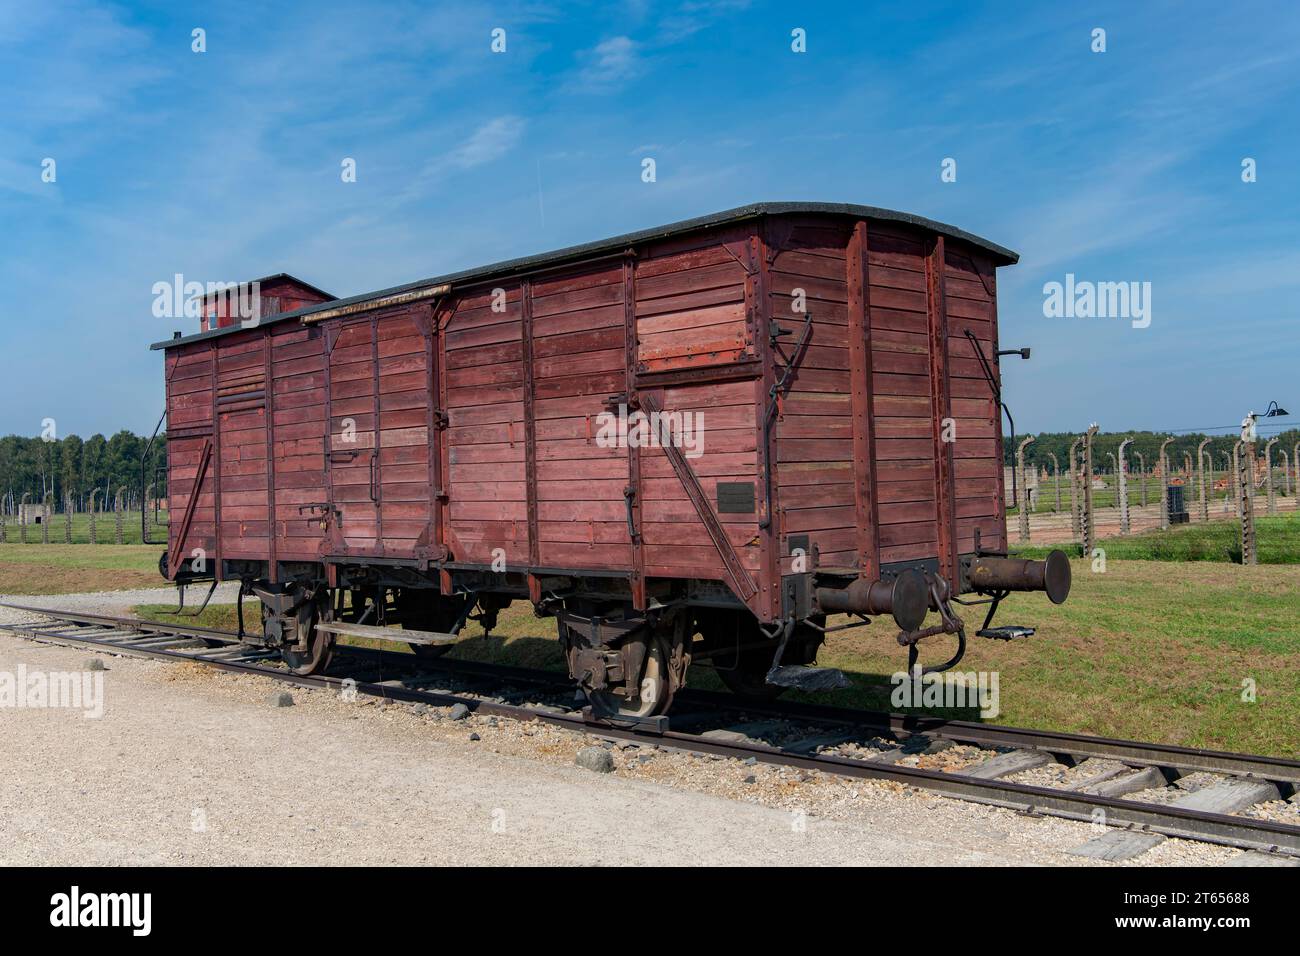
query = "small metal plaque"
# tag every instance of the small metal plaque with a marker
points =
(736, 497)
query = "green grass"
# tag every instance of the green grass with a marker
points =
(1107, 497)
(1277, 539)
(1146, 650)
(67, 568)
(105, 529)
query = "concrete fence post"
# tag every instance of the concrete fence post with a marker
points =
(1086, 518)
(1268, 474)
(1244, 454)
(94, 539)
(45, 517)
(1237, 490)
(1164, 484)
(67, 518)
(1201, 457)
(1295, 463)
(1142, 474)
(1122, 489)
(1056, 480)
(22, 516)
(117, 515)
(1076, 528)
(1025, 497)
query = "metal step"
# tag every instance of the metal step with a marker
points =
(801, 677)
(1009, 632)
(387, 633)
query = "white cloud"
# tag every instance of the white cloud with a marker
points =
(610, 63)
(489, 142)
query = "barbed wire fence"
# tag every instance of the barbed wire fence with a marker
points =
(1125, 497)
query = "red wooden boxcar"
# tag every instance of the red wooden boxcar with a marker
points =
(687, 443)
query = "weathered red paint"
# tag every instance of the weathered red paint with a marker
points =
(476, 415)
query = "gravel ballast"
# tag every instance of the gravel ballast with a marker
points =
(190, 765)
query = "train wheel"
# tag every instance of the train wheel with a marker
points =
(654, 696)
(320, 644)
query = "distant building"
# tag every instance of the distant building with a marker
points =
(31, 513)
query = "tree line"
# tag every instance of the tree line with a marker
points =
(1146, 444)
(74, 466)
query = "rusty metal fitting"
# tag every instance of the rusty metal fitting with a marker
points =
(905, 596)
(989, 575)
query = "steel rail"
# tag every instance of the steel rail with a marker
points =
(1057, 743)
(1225, 829)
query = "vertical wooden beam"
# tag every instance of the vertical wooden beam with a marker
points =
(862, 392)
(375, 465)
(333, 542)
(215, 557)
(634, 488)
(996, 409)
(429, 323)
(272, 568)
(530, 424)
(758, 308)
(442, 486)
(941, 408)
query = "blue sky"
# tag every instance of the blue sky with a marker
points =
(1115, 166)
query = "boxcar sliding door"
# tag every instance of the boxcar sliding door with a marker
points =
(351, 444)
(381, 395)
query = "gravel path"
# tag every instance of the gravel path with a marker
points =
(194, 766)
(111, 603)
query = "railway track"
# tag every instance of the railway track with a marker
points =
(1132, 787)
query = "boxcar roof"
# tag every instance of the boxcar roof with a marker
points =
(1001, 255)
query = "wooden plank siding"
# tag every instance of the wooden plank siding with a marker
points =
(970, 300)
(815, 423)
(465, 426)
(902, 388)
(487, 504)
(190, 375)
(244, 522)
(680, 288)
(579, 361)
(298, 440)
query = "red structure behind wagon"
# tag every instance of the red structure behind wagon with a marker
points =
(821, 379)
